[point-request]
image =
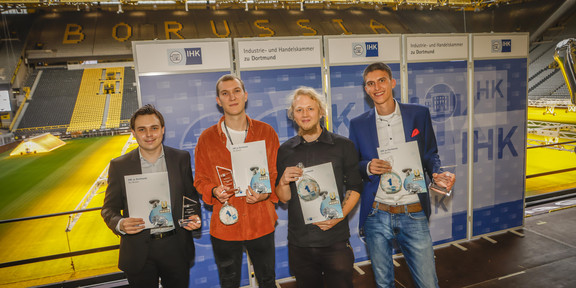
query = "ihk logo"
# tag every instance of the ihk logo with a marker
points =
(365, 49)
(371, 49)
(502, 46)
(193, 56)
(186, 56)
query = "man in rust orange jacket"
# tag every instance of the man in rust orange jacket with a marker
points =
(237, 222)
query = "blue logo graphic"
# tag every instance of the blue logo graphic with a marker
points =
(186, 56)
(371, 49)
(507, 45)
(441, 101)
(502, 46)
(365, 49)
(193, 56)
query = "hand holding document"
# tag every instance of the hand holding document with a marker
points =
(148, 198)
(318, 194)
(405, 173)
(250, 167)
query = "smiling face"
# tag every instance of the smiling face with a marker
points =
(149, 133)
(307, 114)
(379, 86)
(232, 97)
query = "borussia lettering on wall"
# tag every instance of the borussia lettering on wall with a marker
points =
(149, 25)
(122, 31)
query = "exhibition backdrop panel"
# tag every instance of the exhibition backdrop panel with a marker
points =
(179, 78)
(442, 87)
(499, 139)
(437, 77)
(346, 58)
(271, 70)
(484, 142)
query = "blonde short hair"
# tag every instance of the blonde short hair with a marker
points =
(310, 92)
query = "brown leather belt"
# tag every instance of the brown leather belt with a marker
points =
(410, 208)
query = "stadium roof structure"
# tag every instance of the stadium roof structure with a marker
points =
(38, 144)
(21, 6)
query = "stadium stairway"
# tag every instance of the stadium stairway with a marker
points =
(99, 101)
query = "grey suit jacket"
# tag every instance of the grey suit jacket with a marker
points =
(134, 248)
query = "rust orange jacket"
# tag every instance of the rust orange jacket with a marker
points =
(254, 220)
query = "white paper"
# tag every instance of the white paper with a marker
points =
(405, 160)
(250, 167)
(328, 197)
(148, 198)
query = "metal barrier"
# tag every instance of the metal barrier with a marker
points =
(55, 256)
(551, 172)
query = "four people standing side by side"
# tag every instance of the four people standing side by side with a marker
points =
(256, 214)
(320, 254)
(399, 217)
(167, 251)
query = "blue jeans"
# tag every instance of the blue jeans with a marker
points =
(411, 233)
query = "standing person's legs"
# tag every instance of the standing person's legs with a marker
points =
(263, 255)
(338, 265)
(378, 229)
(305, 266)
(416, 245)
(145, 278)
(170, 259)
(228, 258)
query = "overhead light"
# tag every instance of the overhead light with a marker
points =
(120, 11)
(302, 5)
(246, 9)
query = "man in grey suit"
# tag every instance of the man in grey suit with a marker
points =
(167, 250)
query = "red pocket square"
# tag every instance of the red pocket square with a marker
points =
(415, 132)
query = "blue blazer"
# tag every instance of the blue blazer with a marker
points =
(417, 127)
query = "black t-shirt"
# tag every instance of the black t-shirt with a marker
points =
(329, 147)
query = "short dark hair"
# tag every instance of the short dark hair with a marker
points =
(374, 67)
(228, 77)
(147, 109)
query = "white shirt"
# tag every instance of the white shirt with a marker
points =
(238, 137)
(390, 131)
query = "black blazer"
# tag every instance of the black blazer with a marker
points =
(134, 247)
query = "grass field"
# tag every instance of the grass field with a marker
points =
(50, 183)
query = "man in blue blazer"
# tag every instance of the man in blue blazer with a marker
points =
(389, 216)
(167, 250)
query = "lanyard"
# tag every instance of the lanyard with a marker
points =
(228, 133)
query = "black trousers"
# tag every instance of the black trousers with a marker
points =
(319, 267)
(228, 258)
(165, 260)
